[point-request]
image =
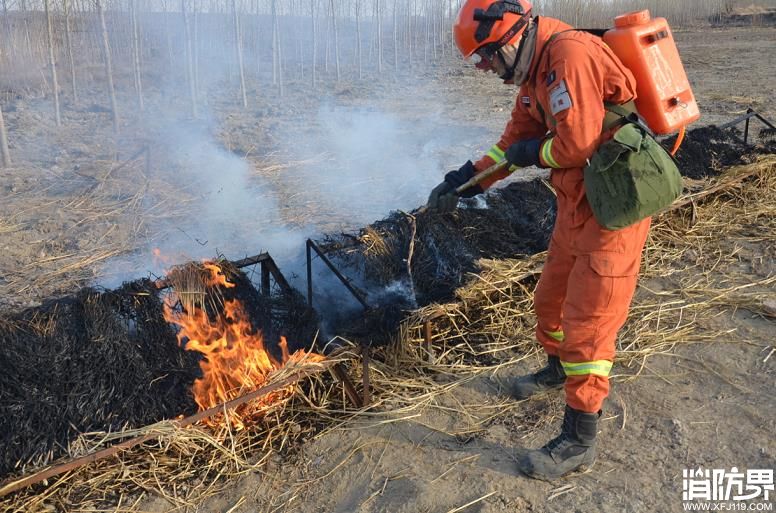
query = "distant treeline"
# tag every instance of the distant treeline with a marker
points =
(196, 47)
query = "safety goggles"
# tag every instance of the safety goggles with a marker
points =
(484, 55)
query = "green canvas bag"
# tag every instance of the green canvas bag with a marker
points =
(630, 177)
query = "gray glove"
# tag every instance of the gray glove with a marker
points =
(443, 198)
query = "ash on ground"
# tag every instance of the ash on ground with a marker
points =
(707, 150)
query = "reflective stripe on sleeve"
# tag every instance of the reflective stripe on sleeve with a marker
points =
(496, 153)
(557, 335)
(546, 153)
(597, 367)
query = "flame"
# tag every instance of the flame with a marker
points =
(235, 359)
(216, 277)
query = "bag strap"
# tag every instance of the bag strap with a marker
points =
(615, 113)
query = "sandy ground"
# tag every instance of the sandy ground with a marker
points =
(63, 214)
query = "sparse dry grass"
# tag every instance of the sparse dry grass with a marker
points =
(105, 214)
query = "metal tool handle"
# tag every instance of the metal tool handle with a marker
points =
(495, 168)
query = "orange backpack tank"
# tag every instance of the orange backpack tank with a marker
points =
(646, 47)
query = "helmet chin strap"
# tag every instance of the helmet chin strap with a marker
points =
(509, 68)
(509, 74)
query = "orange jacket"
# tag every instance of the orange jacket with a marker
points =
(562, 102)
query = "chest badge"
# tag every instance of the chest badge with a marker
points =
(551, 77)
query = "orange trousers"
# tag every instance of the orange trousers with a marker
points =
(584, 293)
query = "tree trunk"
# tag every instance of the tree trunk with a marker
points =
(395, 37)
(315, 41)
(274, 45)
(327, 41)
(358, 39)
(379, 39)
(258, 43)
(69, 44)
(336, 39)
(195, 53)
(238, 46)
(108, 66)
(4, 142)
(52, 62)
(410, 31)
(428, 32)
(433, 29)
(136, 55)
(189, 60)
(452, 34)
(280, 56)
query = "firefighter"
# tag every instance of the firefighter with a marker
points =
(569, 83)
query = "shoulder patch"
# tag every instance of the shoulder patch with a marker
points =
(560, 99)
(551, 77)
(525, 100)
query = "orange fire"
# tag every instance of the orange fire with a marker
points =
(235, 359)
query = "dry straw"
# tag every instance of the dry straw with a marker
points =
(692, 271)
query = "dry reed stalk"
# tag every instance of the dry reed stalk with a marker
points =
(112, 211)
(489, 327)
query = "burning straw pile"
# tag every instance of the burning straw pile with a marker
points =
(483, 262)
(82, 370)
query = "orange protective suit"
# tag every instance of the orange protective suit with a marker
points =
(588, 280)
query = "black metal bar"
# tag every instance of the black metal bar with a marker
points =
(266, 262)
(737, 120)
(245, 262)
(746, 118)
(330, 265)
(279, 278)
(265, 287)
(765, 121)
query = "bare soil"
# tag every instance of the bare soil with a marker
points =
(64, 215)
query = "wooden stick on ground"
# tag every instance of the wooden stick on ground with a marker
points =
(75, 463)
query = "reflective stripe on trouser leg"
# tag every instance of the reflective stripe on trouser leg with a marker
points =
(550, 293)
(597, 367)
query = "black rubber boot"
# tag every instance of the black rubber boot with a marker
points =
(572, 450)
(550, 377)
